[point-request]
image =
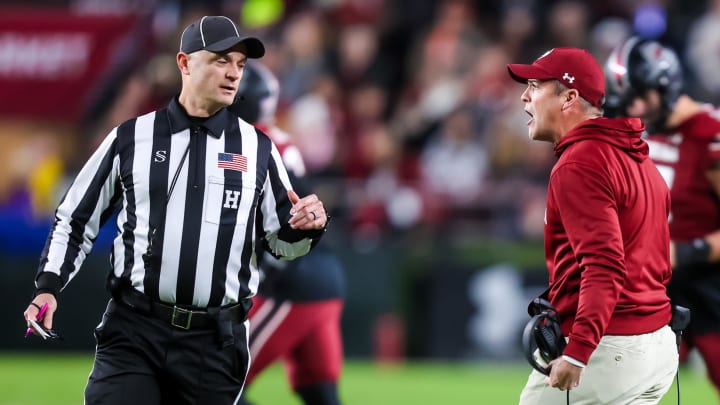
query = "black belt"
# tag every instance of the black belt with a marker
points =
(183, 317)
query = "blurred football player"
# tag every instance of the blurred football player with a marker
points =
(645, 79)
(296, 314)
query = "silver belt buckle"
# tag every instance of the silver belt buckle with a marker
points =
(181, 318)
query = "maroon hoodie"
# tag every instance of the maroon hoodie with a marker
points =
(607, 235)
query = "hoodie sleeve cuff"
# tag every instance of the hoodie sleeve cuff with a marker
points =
(47, 282)
(573, 361)
(579, 350)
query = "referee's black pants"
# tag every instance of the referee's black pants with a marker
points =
(141, 360)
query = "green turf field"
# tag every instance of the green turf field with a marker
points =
(63, 378)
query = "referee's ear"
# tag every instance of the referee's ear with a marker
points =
(182, 62)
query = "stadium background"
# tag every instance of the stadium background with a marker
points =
(414, 136)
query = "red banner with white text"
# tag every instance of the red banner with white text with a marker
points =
(52, 62)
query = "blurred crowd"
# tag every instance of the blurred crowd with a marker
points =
(403, 109)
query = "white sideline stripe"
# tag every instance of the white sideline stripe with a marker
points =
(270, 328)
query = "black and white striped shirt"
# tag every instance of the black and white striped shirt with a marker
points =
(230, 187)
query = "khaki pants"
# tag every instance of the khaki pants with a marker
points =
(622, 370)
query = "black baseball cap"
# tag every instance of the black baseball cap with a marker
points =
(217, 34)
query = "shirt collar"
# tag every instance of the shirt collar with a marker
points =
(179, 119)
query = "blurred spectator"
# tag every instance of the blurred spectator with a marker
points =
(365, 114)
(379, 178)
(441, 59)
(703, 52)
(488, 86)
(607, 34)
(305, 59)
(455, 163)
(112, 6)
(516, 30)
(357, 51)
(32, 179)
(313, 119)
(568, 24)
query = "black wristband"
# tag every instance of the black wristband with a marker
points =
(39, 291)
(47, 282)
(696, 251)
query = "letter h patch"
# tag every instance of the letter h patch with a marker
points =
(231, 199)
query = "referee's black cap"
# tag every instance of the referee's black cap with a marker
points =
(218, 34)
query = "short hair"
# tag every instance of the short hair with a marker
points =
(587, 106)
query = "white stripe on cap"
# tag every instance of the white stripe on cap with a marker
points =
(202, 36)
(233, 24)
(183, 36)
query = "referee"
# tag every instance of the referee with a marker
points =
(194, 185)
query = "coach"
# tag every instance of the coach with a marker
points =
(606, 241)
(194, 186)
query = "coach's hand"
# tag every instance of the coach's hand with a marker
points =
(563, 375)
(32, 310)
(307, 212)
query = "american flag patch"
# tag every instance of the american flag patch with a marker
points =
(232, 161)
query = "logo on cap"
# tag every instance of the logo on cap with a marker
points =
(569, 78)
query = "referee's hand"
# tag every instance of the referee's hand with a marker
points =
(307, 213)
(33, 309)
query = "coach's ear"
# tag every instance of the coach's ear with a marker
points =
(569, 97)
